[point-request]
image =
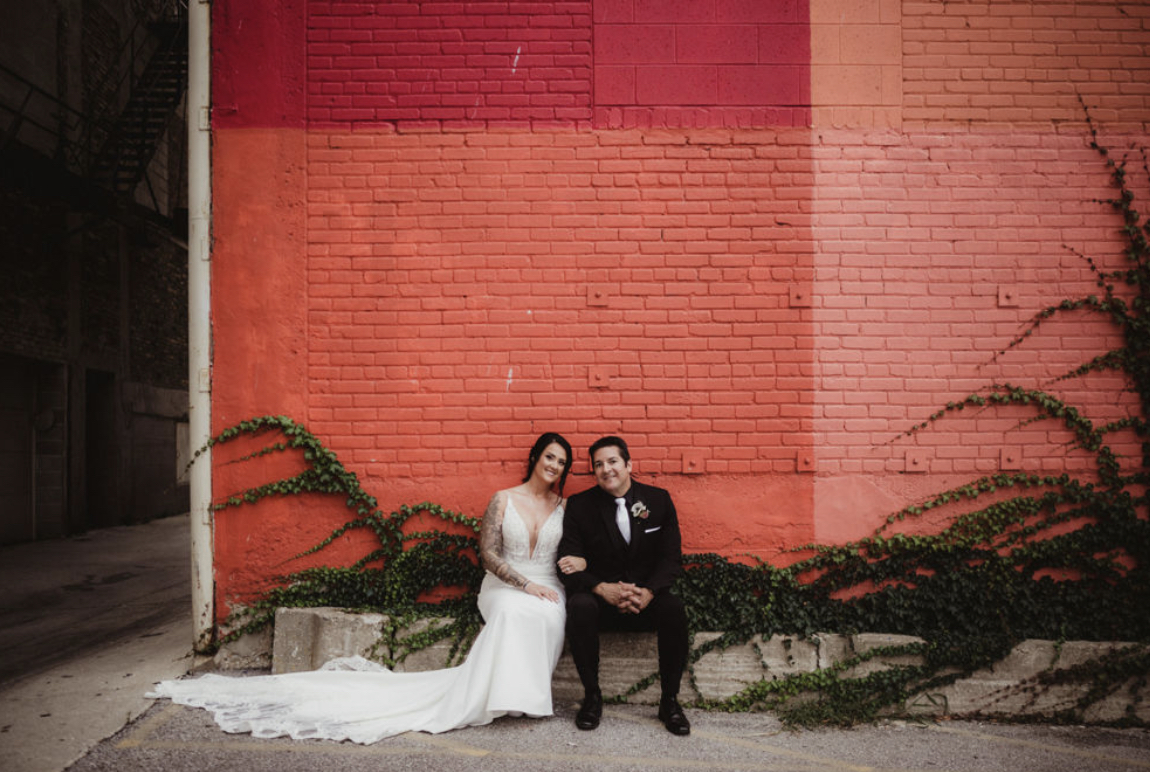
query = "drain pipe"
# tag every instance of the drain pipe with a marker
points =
(198, 118)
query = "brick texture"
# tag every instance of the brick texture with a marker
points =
(656, 63)
(880, 63)
(614, 217)
(680, 63)
(467, 291)
(933, 251)
(1024, 62)
(449, 64)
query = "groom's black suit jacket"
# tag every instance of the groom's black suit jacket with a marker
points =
(653, 558)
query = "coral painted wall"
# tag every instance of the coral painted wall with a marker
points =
(757, 239)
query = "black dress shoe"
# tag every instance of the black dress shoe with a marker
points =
(672, 717)
(590, 711)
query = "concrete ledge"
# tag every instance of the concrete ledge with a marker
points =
(306, 638)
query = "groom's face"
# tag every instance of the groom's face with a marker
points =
(611, 472)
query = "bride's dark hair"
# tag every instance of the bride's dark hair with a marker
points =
(537, 449)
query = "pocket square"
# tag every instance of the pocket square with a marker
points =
(652, 530)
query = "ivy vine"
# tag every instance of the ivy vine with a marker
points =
(971, 592)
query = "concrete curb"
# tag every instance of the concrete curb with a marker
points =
(306, 638)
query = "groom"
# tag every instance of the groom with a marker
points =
(628, 533)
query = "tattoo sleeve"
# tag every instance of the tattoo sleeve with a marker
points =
(491, 543)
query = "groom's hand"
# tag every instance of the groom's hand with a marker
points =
(635, 599)
(612, 592)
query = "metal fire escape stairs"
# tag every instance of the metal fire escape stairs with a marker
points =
(122, 161)
(108, 152)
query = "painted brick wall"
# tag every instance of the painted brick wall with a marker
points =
(485, 221)
(1020, 62)
(471, 289)
(951, 176)
(931, 256)
(883, 63)
(727, 62)
(449, 63)
(662, 63)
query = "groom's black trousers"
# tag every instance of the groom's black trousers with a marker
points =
(587, 614)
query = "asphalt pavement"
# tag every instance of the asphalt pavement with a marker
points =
(175, 738)
(89, 624)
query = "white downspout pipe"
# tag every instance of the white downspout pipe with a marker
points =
(199, 315)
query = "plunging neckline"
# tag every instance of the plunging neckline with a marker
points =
(532, 543)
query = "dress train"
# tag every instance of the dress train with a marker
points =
(507, 671)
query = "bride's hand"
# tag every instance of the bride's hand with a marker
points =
(539, 591)
(569, 564)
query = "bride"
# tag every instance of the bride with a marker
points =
(507, 671)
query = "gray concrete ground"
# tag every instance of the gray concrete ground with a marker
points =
(87, 625)
(175, 738)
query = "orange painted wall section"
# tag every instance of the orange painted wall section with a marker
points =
(447, 233)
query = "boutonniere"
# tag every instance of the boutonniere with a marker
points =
(639, 511)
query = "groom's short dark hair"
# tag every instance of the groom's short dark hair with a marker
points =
(609, 441)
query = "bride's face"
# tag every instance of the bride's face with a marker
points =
(549, 468)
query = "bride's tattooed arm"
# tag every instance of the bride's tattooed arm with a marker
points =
(491, 543)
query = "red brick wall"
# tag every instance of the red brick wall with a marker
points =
(449, 63)
(952, 181)
(932, 253)
(1013, 62)
(468, 291)
(460, 225)
(690, 63)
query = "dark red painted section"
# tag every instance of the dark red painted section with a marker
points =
(449, 64)
(735, 63)
(259, 64)
(539, 64)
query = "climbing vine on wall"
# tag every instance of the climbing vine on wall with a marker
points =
(1021, 556)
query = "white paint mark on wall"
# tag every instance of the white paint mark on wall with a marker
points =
(510, 371)
(515, 64)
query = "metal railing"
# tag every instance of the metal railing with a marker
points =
(43, 122)
(47, 124)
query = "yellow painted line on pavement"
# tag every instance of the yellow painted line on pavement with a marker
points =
(1064, 750)
(425, 745)
(446, 743)
(443, 747)
(382, 749)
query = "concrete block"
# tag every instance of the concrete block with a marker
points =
(294, 639)
(252, 651)
(306, 638)
(1027, 659)
(340, 634)
(719, 674)
(786, 654)
(624, 658)
(832, 648)
(432, 657)
(565, 684)
(865, 642)
(1008, 686)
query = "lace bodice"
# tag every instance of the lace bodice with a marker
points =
(517, 539)
(505, 542)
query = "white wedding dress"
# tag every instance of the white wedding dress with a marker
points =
(507, 671)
